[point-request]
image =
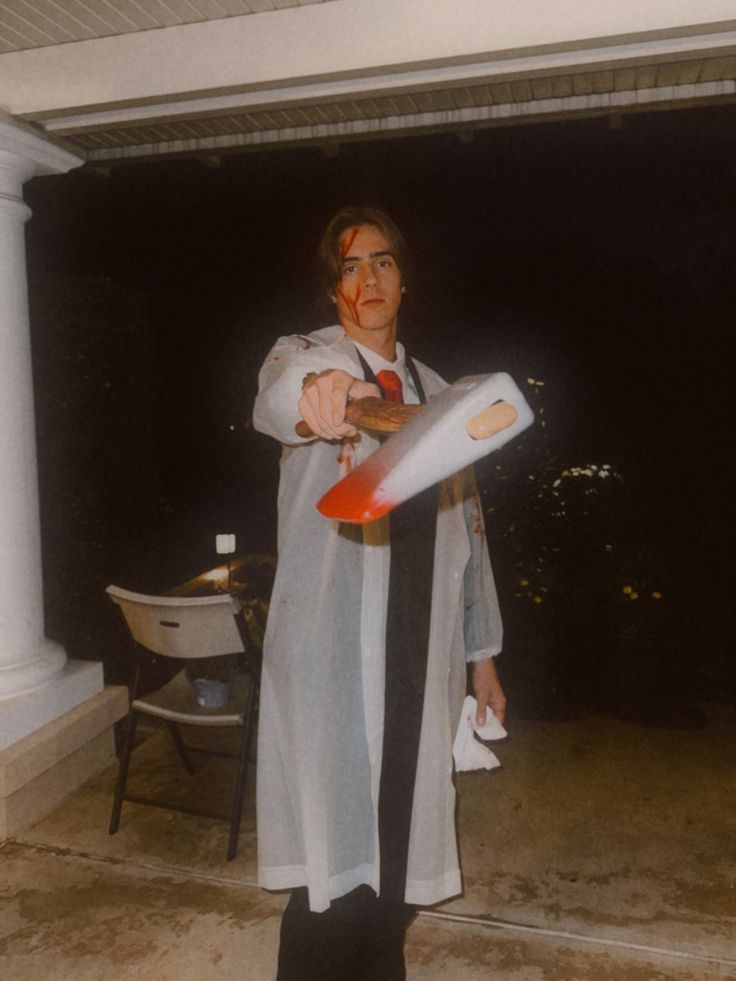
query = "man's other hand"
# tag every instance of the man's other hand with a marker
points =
(324, 399)
(488, 690)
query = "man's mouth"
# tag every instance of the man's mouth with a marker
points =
(375, 301)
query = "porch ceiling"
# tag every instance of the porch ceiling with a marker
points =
(39, 23)
(205, 77)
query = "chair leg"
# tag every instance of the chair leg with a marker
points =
(237, 809)
(181, 748)
(123, 772)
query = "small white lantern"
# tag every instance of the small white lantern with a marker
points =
(225, 544)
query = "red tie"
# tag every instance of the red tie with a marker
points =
(391, 385)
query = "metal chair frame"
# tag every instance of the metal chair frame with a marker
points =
(205, 717)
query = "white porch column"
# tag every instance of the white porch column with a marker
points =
(27, 658)
(56, 716)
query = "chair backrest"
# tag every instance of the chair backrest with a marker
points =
(181, 626)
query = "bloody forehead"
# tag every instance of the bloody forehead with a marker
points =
(348, 236)
(349, 239)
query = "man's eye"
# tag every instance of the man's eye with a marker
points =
(348, 270)
(384, 263)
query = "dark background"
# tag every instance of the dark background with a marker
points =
(596, 260)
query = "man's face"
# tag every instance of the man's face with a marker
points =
(368, 294)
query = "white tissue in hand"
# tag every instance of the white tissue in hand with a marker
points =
(469, 754)
(492, 729)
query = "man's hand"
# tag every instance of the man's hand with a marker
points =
(488, 690)
(324, 398)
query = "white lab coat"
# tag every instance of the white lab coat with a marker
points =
(322, 696)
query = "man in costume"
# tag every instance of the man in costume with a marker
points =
(369, 632)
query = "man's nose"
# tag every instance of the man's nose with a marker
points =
(368, 276)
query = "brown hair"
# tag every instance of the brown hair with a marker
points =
(328, 253)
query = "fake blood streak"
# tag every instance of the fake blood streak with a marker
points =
(350, 302)
(345, 456)
(344, 249)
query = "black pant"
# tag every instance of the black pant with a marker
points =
(359, 938)
(407, 642)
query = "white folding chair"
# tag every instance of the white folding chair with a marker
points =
(188, 628)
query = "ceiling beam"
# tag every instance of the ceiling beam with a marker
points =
(337, 44)
(461, 120)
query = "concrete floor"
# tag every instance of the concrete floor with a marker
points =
(600, 851)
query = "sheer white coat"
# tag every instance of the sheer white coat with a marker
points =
(322, 700)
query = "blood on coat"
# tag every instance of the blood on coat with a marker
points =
(346, 456)
(475, 513)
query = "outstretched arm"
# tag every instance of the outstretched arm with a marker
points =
(290, 367)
